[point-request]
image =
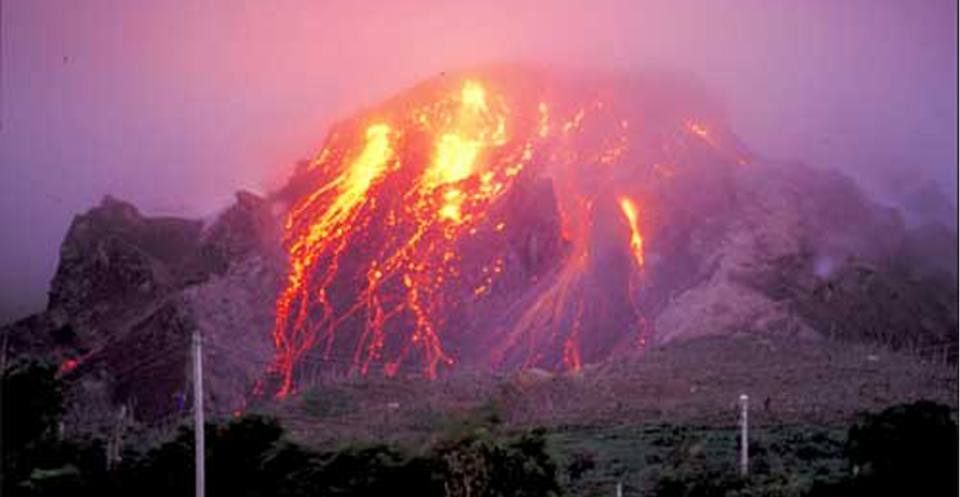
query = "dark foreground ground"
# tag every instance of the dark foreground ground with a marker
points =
(639, 457)
(694, 383)
(635, 421)
(825, 420)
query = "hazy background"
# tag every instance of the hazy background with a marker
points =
(174, 105)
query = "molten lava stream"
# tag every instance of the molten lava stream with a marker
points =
(428, 210)
(629, 209)
(376, 262)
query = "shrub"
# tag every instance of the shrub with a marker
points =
(482, 465)
(906, 449)
(33, 404)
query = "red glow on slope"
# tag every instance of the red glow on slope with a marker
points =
(441, 202)
(629, 209)
(375, 248)
(67, 366)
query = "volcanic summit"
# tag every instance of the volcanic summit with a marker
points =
(496, 219)
(491, 219)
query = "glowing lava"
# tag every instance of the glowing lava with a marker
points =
(435, 206)
(405, 224)
(326, 232)
(629, 209)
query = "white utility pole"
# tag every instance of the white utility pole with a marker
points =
(744, 461)
(115, 444)
(198, 412)
(3, 377)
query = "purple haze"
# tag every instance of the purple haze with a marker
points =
(176, 104)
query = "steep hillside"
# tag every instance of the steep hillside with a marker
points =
(486, 223)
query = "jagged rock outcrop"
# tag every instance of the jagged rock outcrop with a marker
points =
(130, 291)
(113, 261)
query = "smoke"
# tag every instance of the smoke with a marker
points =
(174, 105)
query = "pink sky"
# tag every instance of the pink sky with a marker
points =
(174, 105)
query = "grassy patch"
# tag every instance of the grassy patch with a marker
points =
(785, 460)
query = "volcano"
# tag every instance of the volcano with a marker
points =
(490, 220)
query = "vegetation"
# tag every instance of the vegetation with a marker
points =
(906, 448)
(249, 456)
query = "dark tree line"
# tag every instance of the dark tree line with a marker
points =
(908, 449)
(249, 456)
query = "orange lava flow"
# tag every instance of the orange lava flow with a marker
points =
(447, 146)
(629, 209)
(375, 248)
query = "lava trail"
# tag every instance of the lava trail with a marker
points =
(403, 225)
